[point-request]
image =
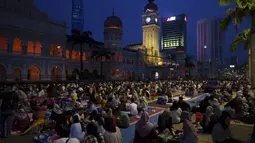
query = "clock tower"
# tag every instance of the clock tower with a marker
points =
(151, 34)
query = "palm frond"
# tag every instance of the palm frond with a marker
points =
(241, 38)
(224, 2)
(225, 22)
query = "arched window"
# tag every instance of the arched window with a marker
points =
(3, 44)
(84, 56)
(53, 50)
(30, 48)
(17, 47)
(67, 54)
(59, 50)
(73, 55)
(38, 49)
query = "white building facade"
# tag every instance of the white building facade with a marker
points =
(33, 48)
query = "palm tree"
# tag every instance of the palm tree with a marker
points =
(243, 9)
(102, 54)
(78, 38)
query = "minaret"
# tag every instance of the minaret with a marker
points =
(77, 15)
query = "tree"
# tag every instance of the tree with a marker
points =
(102, 54)
(242, 9)
(78, 38)
(189, 64)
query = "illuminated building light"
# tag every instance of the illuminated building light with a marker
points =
(171, 18)
(58, 47)
(185, 18)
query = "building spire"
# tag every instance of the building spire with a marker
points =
(113, 12)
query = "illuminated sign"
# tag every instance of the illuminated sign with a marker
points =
(171, 18)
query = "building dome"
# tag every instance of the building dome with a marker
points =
(151, 7)
(113, 22)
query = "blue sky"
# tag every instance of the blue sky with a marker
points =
(96, 11)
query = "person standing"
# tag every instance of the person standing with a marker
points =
(8, 108)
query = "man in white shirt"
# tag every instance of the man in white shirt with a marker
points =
(133, 108)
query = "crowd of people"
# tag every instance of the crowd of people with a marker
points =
(96, 113)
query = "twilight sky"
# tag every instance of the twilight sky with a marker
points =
(96, 11)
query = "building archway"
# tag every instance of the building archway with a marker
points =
(75, 73)
(2, 73)
(33, 73)
(17, 46)
(3, 44)
(56, 74)
(17, 74)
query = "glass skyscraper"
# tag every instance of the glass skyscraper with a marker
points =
(174, 32)
(77, 15)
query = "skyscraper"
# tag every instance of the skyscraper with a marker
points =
(77, 15)
(209, 40)
(174, 31)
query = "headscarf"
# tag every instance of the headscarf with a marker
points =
(222, 119)
(143, 126)
(188, 127)
(208, 114)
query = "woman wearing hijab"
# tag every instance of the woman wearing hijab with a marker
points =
(112, 133)
(175, 113)
(221, 131)
(165, 121)
(93, 136)
(76, 130)
(145, 131)
(207, 117)
(189, 132)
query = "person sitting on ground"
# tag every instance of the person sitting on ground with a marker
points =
(77, 130)
(189, 131)
(112, 133)
(92, 134)
(145, 131)
(67, 140)
(91, 107)
(183, 105)
(221, 130)
(133, 108)
(165, 121)
(142, 106)
(175, 113)
(216, 107)
(122, 106)
(123, 119)
(209, 120)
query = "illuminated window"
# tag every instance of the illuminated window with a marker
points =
(3, 44)
(17, 47)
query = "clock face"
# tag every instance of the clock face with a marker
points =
(156, 20)
(148, 19)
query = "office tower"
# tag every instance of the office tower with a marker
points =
(174, 31)
(209, 40)
(234, 60)
(77, 15)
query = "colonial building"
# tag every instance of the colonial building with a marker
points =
(34, 47)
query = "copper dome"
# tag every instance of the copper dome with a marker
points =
(151, 7)
(113, 22)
